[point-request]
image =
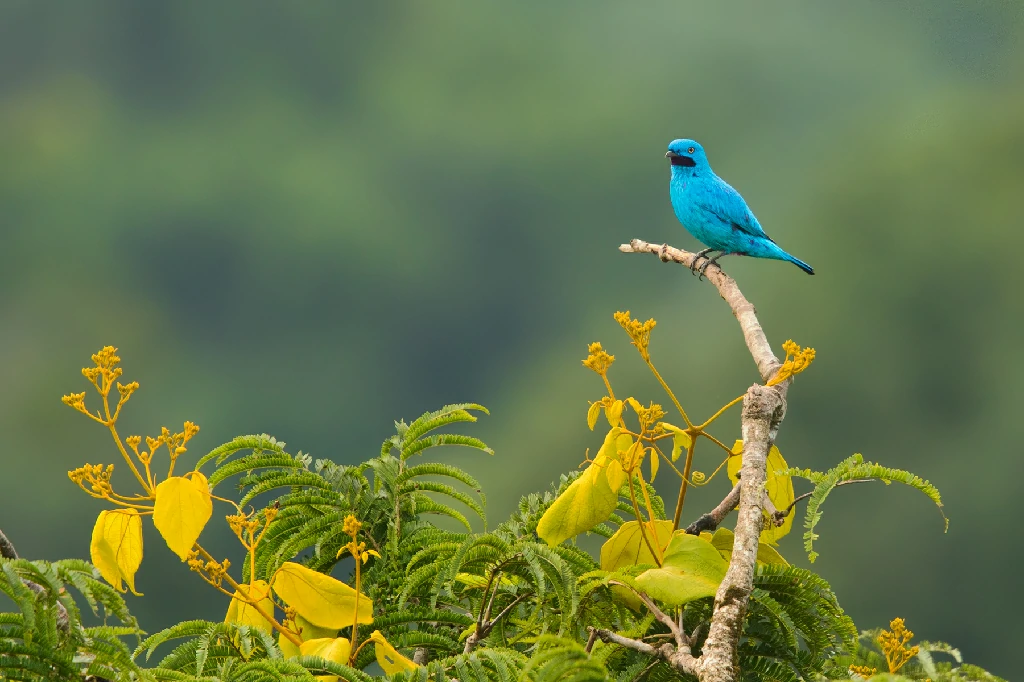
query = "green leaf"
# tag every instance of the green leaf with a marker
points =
(724, 538)
(628, 548)
(692, 569)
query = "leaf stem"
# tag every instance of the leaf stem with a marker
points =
(640, 523)
(671, 395)
(686, 478)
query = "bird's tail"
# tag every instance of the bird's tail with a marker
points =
(799, 263)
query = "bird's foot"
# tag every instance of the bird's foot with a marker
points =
(711, 261)
(696, 259)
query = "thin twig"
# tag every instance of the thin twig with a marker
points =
(779, 515)
(711, 520)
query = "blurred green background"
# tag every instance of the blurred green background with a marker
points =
(310, 219)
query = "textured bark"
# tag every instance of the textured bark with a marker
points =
(719, 663)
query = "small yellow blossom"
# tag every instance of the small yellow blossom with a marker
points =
(797, 360)
(76, 401)
(352, 525)
(599, 360)
(894, 645)
(648, 416)
(639, 332)
(863, 671)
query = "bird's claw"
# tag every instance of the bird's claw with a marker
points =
(696, 258)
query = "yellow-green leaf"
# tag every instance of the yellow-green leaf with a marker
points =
(591, 498)
(116, 547)
(680, 440)
(692, 569)
(627, 548)
(724, 538)
(322, 600)
(244, 613)
(334, 649)
(388, 657)
(592, 414)
(613, 412)
(182, 508)
(655, 463)
(779, 487)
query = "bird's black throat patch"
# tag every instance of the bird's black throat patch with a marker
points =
(682, 161)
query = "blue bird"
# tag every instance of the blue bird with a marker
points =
(715, 213)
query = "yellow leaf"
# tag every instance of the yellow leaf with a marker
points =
(182, 508)
(334, 649)
(655, 463)
(635, 404)
(627, 548)
(592, 414)
(591, 498)
(244, 613)
(613, 413)
(307, 631)
(680, 440)
(388, 657)
(322, 600)
(780, 489)
(116, 547)
(692, 569)
(724, 538)
(288, 650)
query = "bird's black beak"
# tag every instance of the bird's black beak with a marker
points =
(677, 160)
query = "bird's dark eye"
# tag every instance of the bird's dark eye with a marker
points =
(690, 150)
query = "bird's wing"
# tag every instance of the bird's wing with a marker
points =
(726, 203)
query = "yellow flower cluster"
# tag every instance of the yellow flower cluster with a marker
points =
(243, 523)
(351, 526)
(894, 645)
(96, 476)
(211, 571)
(647, 416)
(797, 360)
(76, 401)
(599, 360)
(863, 671)
(639, 332)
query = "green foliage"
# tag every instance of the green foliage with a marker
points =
(45, 639)
(854, 468)
(483, 605)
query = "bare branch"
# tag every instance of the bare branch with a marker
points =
(660, 615)
(713, 518)
(680, 659)
(757, 342)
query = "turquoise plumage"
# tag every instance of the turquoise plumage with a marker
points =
(715, 213)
